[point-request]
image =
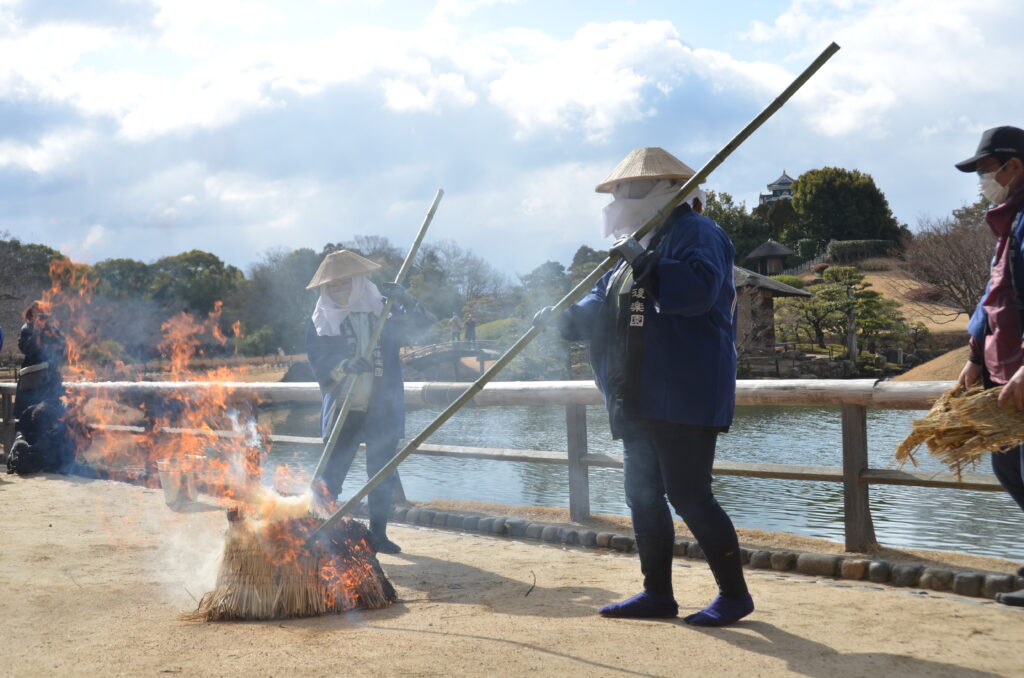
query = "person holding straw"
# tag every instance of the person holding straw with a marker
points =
(661, 333)
(337, 338)
(997, 325)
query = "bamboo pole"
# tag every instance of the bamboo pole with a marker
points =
(350, 383)
(579, 291)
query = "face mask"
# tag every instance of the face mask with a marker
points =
(339, 292)
(991, 189)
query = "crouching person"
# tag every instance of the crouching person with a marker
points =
(43, 441)
(337, 339)
(661, 335)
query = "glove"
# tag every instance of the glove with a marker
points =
(397, 292)
(540, 318)
(350, 366)
(629, 249)
(635, 254)
(563, 322)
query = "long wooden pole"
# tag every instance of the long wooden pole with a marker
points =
(378, 329)
(577, 292)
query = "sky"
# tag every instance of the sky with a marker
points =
(145, 128)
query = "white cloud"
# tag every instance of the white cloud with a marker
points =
(51, 152)
(898, 57)
(595, 81)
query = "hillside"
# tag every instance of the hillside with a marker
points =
(944, 368)
(895, 283)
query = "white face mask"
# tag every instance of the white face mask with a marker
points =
(339, 291)
(993, 191)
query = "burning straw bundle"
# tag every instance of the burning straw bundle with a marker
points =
(269, 572)
(961, 426)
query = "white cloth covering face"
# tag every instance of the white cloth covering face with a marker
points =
(328, 314)
(635, 202)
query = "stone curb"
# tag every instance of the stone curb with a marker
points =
(915, 575)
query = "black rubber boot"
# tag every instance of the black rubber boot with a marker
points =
(656, 564)
(656, 599)
(379, 536)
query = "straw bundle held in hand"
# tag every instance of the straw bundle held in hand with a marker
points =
(961, 426)
(268, 572)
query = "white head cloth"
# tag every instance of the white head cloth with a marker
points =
(328, 315)
(636, 201)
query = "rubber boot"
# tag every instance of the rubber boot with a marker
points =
(656, 565)
(379, 535)
(656, 599)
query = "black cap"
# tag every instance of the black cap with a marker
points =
(1004, 140)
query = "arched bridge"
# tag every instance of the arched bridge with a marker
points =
(423, 357)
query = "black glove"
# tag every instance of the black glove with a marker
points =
(540, 318)
(350, 366)
(635, 254)
(563, 321)
(356, 365)
(397, 292)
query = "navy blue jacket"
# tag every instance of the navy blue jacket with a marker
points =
(688, 364)
(385, 413)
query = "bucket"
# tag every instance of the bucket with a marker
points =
(179, 485)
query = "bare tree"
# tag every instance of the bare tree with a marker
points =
(952, 254)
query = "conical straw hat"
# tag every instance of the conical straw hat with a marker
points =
(340, 265)
(646, 163)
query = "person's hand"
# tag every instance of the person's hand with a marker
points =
(356, 365)
(1013, 392)
(540, 318)
(628, 248)
(563, 321)
(969, 375)
(635, 254)
(397, 292)
(350, 366)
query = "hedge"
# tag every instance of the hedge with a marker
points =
(845, 251)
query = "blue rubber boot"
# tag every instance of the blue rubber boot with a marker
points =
(722, 611)
(643, 605)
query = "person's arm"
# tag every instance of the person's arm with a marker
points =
(409, 318)
(690, 271)
(582, 316)
(323, 356)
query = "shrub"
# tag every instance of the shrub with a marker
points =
(845, 251)
(106, 352)
(807, 248)
(818, 268)
(875, 265)
(505, 330)
(260, 342)
(925, 293)
(790, 280)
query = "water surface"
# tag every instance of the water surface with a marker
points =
(983, 523)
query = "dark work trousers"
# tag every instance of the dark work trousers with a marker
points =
(380, 448)
(1009, 469)
(674, 460)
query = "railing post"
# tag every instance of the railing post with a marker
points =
(579, 481)
(860, 529)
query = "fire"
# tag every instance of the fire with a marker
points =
(197, 429)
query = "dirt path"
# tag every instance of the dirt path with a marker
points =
(94, 573)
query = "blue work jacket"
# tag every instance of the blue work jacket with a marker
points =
(687, 372)
(385, 412)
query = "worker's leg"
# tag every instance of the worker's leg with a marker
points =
(380, 449)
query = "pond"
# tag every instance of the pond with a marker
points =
(983, 523)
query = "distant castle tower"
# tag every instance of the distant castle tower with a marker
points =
(780, 189)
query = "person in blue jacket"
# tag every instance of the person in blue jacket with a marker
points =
(661, 334)
(337, 335)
